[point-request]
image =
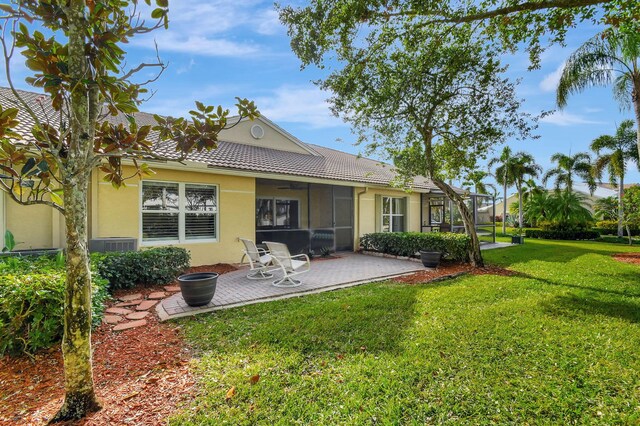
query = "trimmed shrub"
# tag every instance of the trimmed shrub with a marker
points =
(453, 246)
(610, 227)
(31, 304)
(562, 234)
(147, 267)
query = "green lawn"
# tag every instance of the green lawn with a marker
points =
(557, 344)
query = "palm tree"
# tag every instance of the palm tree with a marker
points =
(569, 208)
(614, 152)
(607, 58)
(538, 207)
(504, 178)
(476, 179)
(606, 208)
(569, 166)
(524, 165)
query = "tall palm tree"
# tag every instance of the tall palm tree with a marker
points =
(567, 168)
(607, 58)
(524, 165)
(503, 177)
(614, 153)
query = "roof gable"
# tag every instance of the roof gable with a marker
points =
(264, 133)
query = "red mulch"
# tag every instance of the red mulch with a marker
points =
(220, 268)
(449, 269)
(141, 375)
(628, 258)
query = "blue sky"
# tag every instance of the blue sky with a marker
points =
(218, 49)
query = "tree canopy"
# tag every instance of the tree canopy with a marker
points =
(316, 28)
(435, 110)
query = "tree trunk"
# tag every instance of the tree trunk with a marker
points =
(504, 206)
(520, 206)
(475, 254)
(80, 398)
(621, 207)
(635, 98)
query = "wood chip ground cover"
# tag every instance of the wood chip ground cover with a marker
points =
(141, 375)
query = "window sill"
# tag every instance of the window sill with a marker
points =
(177, 242)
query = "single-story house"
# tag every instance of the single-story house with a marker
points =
(261, 183)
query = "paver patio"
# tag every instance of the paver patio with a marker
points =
(234, 289)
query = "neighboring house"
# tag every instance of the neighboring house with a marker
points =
(261, 183)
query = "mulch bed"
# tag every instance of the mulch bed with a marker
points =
(142, 375)
(628, 258)
(221, 268)
(450, 270)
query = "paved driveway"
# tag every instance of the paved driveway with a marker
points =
(234, 289)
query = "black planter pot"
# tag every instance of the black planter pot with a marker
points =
(517, 239)
(430, 259)
(198, 289)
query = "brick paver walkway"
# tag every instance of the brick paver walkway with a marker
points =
(234, 289)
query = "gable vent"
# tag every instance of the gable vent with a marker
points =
(257, 131)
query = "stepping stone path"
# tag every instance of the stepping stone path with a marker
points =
(158, 295)
(131, 309)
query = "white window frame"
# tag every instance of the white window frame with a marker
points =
(182, 211)
(391, 214)
(275, 200)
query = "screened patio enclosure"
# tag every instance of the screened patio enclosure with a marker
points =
(439, 214)
(308, 217)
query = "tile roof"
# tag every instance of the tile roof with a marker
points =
(329, 164)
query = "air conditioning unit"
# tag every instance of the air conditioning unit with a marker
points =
(102, 245)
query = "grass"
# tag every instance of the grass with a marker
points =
(557, 344)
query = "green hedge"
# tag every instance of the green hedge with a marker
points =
(559, 234)
(610, 227)
(147, 267)
(31, 304)
(453, 246)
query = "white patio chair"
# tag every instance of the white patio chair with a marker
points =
(259, 261)
(289, 265)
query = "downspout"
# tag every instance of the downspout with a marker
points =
(356, 242)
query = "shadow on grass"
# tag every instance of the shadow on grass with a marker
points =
(367, 318)
(563, 305)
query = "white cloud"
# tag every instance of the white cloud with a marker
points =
(199, 45)
(298, 104)
(216, 28)
(550, 82)
(562, 118)
(268, 22)
(186, 67)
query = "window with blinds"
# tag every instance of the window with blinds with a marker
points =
(178, 212)
(393, 214)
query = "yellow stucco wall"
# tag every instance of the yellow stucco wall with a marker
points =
(366, 214)
(33, 227)
(117, 213)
